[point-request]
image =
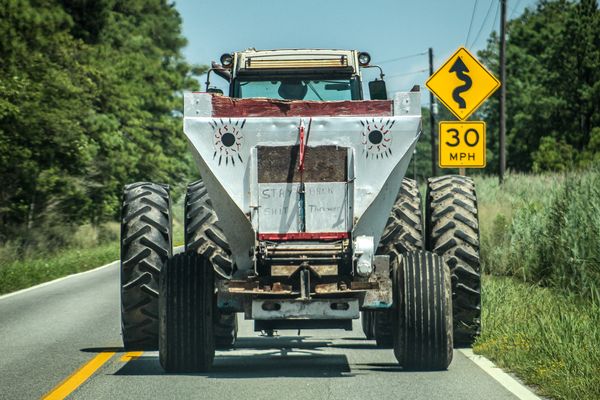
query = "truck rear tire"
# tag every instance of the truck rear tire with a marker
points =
(366, 321)
(204, 237)
(186, 340)
(452, 228)
(226, 329)
(383, 328)
(422, 312)
(403, 233)
(146, 244)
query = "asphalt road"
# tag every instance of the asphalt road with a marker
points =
(49, 332)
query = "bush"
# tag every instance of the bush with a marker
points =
(553, 155)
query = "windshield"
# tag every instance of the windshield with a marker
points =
(299, 89)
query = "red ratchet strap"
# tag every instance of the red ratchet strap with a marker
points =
(301, 163)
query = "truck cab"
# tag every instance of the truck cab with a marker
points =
(309, 75)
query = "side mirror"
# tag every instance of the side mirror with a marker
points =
(214, 90)
(377, 90)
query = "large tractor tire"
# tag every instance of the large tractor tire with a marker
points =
(423, 312)
(404, 229)
(146, 244)
(204, 237)
(186, 340)
(202, 233)
(403, 233)
(452, 228)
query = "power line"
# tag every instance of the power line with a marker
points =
(514, 9)
(496, 15)
(487, 14)
(407, 73)
(401, 58)
(471, 23)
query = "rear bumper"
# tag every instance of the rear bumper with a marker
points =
(327, 309)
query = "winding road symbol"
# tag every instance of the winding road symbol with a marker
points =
(462, 83)
(461, 70)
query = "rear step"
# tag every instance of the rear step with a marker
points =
(266, 325)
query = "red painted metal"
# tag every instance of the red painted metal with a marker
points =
(236, 108)
(303, 236)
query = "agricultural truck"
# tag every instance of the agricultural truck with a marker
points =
(302, 220)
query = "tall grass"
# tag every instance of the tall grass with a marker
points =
(543, 230)
(540, 236)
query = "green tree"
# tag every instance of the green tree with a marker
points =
(90, 99)
(553, 79)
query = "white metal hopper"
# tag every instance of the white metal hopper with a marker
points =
(231, 150)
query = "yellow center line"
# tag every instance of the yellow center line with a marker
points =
(131, 355)
(66, 387)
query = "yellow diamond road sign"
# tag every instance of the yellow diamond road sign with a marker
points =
(462, 144)
(462, 83)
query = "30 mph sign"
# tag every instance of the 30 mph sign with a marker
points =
(462, 144)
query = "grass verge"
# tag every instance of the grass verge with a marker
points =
(541, 310)
(58, 251)
(548, 338)
(24, 273)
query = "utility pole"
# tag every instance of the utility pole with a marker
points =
(432, 119)
(502, 111)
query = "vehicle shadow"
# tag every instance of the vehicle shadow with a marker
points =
(102, 349)
(271, 365)
(262, 357)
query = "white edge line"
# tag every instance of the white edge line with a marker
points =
(509, 383)
(176, 250)
(41, 285)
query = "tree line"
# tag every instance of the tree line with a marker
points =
(553, 92)
(90, 99)
(553, 88)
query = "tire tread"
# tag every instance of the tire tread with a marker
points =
(452, 231)
(146, 244)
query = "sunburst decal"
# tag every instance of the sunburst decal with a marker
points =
(228, 140)
(377, 137)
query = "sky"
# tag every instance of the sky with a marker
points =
(397, 33)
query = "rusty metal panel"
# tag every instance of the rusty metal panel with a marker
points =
(279, 164)
(326, 288)
(288, 270)
(225, 107)
(364, 285)
(382, 296)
